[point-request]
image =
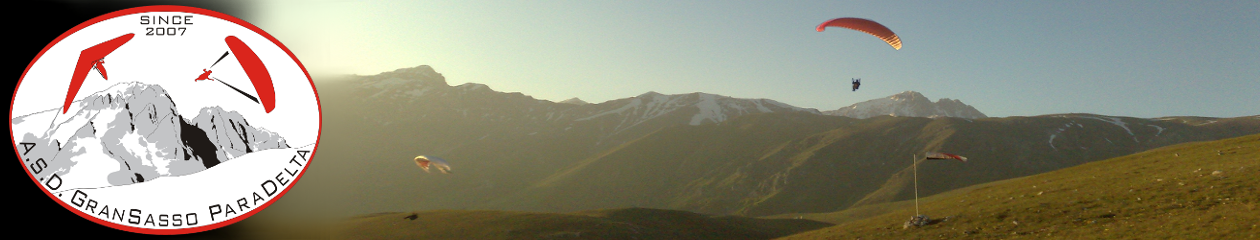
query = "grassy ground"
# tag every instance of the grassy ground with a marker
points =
(630, 223)
(1204, 190)
(872, 210)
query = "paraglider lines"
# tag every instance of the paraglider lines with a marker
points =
(251, 97)
(206, 75)
(216, 62)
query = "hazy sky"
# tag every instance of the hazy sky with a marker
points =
(1006, 58)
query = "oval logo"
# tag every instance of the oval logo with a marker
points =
(165, 120)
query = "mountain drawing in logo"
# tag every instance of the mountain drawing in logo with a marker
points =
(132, 133)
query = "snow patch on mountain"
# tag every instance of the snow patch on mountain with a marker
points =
(1051, 142)
(634, 104)
(710, 108)
(1065, 127)
(1161, 129)
(1115, 121)
(660, 105)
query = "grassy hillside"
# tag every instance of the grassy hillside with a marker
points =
(1202, 190)
(630, 223)
(656, 170)
(767, 164)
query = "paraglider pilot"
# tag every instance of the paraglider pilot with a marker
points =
(205, 75)
(856, 82)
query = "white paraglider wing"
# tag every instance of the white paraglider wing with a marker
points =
(429, 161)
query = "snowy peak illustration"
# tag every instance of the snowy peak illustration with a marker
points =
(232, 135)
(908, 104)
(131, 133)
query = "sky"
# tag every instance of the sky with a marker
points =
(1006, 58)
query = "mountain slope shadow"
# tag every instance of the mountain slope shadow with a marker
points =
(198, 144)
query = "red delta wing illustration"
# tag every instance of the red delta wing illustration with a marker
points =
(88, 59)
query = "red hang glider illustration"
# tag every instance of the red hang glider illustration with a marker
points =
(91, 58)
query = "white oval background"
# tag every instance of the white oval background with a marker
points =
(173, 62)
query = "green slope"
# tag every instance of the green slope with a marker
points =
(767, 164)
(1202, 190)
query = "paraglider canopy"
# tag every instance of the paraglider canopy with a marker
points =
(866, 26)
(429, 161)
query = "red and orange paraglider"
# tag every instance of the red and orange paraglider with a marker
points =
(866, 26)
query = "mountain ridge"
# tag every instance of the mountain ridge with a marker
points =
(521, 153)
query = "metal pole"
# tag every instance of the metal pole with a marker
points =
(915, 163)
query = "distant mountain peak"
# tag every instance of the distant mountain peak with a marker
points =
(422, 75)
(907, 96)
(425, 70)
(649, 94)
(908, 104)
(474, 87)
(575, 101)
